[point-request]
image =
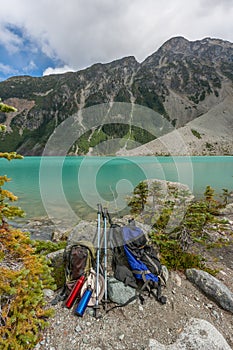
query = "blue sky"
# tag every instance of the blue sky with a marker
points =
(23, 55)
(27, 59)
(55, 36)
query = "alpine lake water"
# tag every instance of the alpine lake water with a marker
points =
(72, 186)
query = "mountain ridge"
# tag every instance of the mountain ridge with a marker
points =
(198, 137)
(181, 81)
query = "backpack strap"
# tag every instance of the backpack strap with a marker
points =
(159, 297)
(152, 263)
(159, 271)
(141, 272)
(62, 294)
(93, 262)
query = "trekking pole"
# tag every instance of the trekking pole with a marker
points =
(109, 218)
(105, 258)
(96, 307)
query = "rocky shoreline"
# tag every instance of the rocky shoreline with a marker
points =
(199, 308)
(191, 319)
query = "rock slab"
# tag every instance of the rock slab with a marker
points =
(197, 335)
(212, 287)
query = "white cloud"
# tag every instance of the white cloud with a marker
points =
(9, 40)
(30, 67)
(6, 69)
(83, 32)
(58, 70)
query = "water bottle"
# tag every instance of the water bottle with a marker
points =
(83, 302)
(74, 292)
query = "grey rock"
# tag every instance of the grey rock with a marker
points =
(119, 293)
(84, 231)
(216, 314)
(176, 278)
(85, 340)
(212, 287)
(197, 335)
(121, 337)
(228, 209)
(78, 329)
(55, 256)
(49, 293)
(90, 312)
(56, 236)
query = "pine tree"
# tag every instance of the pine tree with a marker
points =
(139, 198)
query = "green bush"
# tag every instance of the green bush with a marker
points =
(172, 254)
(24, 275)
(196, 133)
(176, 247)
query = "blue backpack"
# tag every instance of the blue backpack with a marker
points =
(135, 262)
(139, 269)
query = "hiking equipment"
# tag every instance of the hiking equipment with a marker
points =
(135, 262)
(75, 292)
(79, 258)
(105, 257)
(91, 281)
(82, 305)
(120, 265)
(99, 212)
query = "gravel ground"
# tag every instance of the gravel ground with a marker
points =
(132, 326)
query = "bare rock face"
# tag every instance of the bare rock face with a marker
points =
(181, 81)
(198, 334)
(212, 287)
(83, 231)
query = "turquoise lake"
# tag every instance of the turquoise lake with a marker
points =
(65, 187)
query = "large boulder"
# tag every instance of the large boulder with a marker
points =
(84, 231)
(198, 334)
(212, 287)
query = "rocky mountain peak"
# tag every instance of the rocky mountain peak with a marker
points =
(175, 45)
(124, 62)
(179, 48)
(182, 80)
